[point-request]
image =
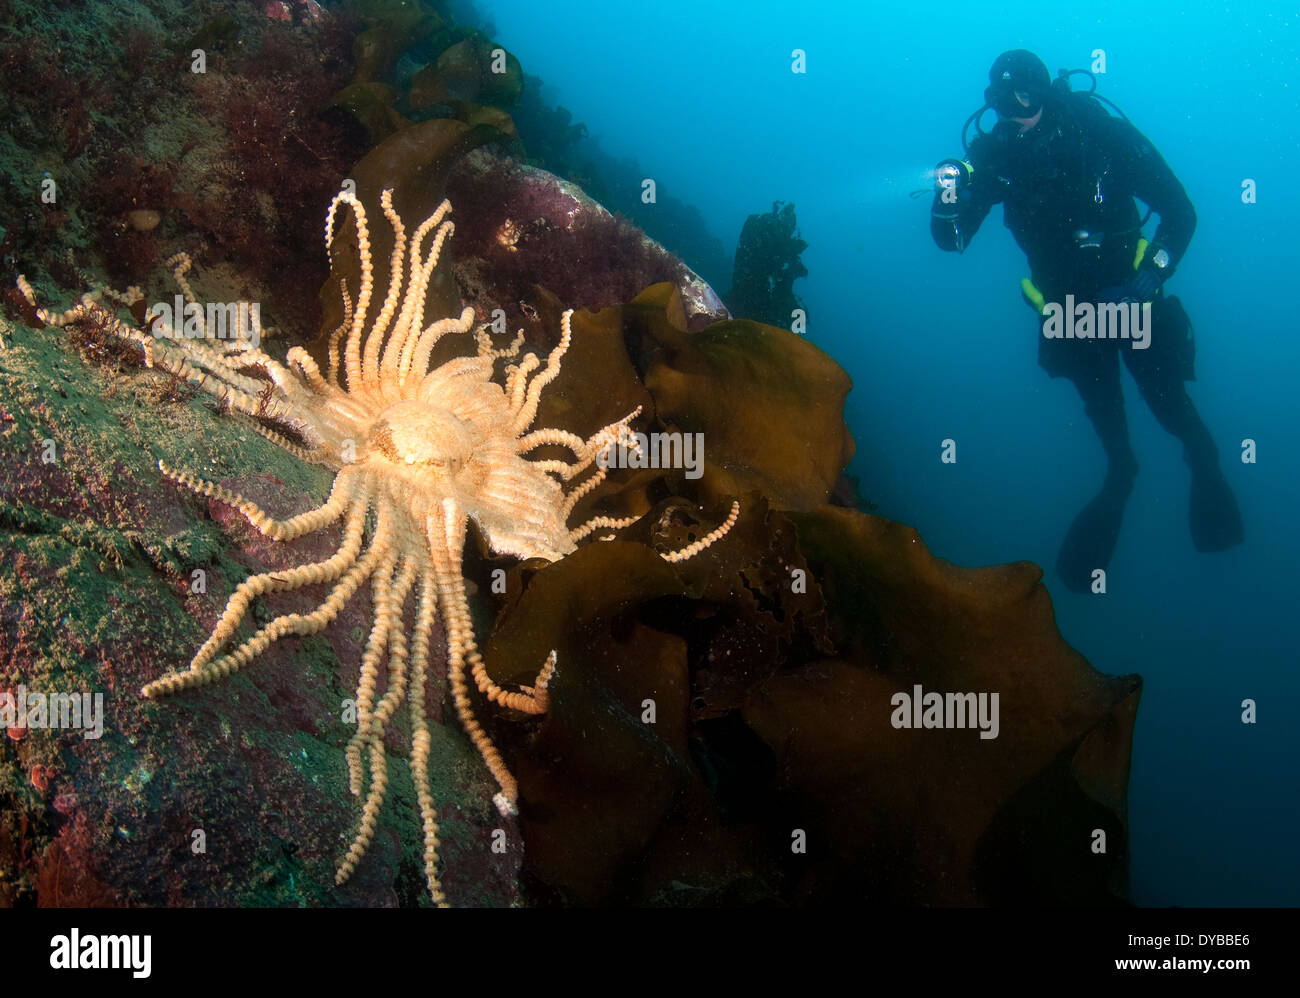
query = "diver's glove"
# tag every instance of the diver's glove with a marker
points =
(1144, 287)
(1147, 280)
(1145, 284)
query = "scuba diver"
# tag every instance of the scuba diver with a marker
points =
(1066, 172)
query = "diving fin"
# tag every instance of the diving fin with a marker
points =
(1215, 516)
(1090, 541)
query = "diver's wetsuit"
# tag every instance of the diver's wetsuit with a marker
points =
(1077, 172)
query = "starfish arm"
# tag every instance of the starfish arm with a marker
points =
(352, 349)
(221, 379)
(375, 338)
(384, 593)
(586, 451)
(279, 530)
(598, 522)
(591, 449)
(575, 494)
(690, 551)
(528, 411)
(420, 297)
(201, 672)
(214, 375)
(378, 722)
(533, 699)
(558, 438)
(323, 571)
(180, 264)
(445, 527)
(398, 353)
(561, 468)
(314, 455)
(517, 381)
(167, 352)
(305, 366)
(233, 354)
(485, 349)
(338, 334)
(540, 690)
(369, 813)
(420, 741)
(419, 361)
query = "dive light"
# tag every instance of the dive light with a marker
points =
(952, 174)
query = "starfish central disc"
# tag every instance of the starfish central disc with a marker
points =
(419, 433)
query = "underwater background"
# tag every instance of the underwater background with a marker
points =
(702, 100)
(941, 345)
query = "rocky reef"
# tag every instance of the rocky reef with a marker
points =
(721, 731)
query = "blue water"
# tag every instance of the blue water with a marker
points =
(940, 345)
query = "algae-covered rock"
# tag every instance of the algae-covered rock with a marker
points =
(520, 227)
(110, 577)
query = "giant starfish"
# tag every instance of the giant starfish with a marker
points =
(420, 452)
